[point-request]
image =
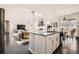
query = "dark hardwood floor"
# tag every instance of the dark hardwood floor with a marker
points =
(69, 46)
(11, 47)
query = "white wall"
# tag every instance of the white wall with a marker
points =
(20, 14)
(17, 15)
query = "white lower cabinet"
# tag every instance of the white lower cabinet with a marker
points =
(31, 42)
(49, 45)
(40, 44)
(52, 43)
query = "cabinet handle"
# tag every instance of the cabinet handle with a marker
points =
(56, 39)
(49, 38)
(52, 41)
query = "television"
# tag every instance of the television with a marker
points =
(21, 27)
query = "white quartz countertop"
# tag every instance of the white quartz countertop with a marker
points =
(43, 33)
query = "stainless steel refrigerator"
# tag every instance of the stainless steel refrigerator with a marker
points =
(2, 31)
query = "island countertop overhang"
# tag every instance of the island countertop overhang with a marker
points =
(43, 33)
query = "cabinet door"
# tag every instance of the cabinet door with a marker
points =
(50, 44)
(56, 37)
(31, 41)
(56, 41)
(40, 44)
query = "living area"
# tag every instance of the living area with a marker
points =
(37, 28)
(20, 22)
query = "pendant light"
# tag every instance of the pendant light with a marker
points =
(64, 16)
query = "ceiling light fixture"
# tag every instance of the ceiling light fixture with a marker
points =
(64, 16)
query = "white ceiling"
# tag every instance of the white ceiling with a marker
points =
(51, 9)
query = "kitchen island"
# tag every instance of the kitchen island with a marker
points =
(43, 42)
